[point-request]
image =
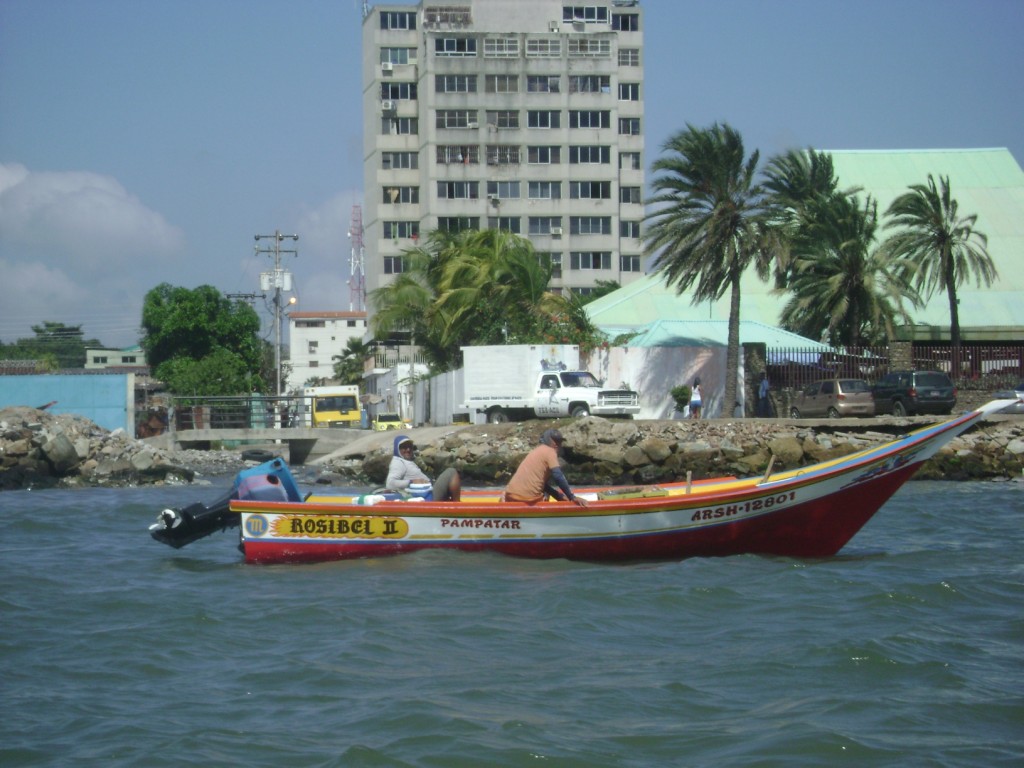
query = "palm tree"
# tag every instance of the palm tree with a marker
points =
(476, 287)
(348, 366)
(839, 279)
(709, 224)
(937, 248)
(791, 181)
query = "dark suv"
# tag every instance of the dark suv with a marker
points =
(905, 393)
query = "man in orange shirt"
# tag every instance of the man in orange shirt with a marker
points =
(532, 482)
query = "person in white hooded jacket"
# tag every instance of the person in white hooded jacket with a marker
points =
(403, 472)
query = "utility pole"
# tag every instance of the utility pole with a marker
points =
(279, 280)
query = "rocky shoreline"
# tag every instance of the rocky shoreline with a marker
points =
(43, 450)
(613, 452)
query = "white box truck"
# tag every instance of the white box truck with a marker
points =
(524, 381)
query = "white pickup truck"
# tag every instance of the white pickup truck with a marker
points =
(523, 381)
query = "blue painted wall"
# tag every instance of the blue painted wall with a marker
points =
(108, 399)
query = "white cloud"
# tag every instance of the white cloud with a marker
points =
(79, 219)
(77, 247)
(322, 270)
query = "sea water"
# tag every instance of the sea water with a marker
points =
(905, 649)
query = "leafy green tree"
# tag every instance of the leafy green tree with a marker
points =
(936, 247)
(188, 334)
(348, 366)
(839, 279)
(476, 287)
(708, 225)
(219, 373)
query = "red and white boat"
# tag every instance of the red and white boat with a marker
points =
(807, 512)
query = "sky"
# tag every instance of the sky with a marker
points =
(150, 142)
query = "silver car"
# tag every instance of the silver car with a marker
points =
(834, 398)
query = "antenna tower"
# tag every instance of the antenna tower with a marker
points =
(357, 263)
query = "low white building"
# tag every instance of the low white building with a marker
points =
(315, 338)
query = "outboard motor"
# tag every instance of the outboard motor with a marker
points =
(270, 481)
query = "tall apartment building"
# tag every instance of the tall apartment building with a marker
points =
(524, 115)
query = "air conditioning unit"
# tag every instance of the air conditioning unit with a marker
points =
(554, 26)
(387, 66)
(472, 126)
(387, 105)
(579, 26)
(556, 231)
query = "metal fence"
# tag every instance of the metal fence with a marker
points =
(982, 367)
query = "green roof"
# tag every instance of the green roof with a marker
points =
(986, 182)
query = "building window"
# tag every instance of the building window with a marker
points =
(552, 261)
(629, 91)
(393, 265)
(100, 360)
(456, 118)
(589, 48)
(455, 46)
(629, 161)
(589, 155)
(310, 324)
(590, 225)
(501, 83)
(629, 263)
(457, 223)
(629, 126)
(626, 22)
(312, 347)
(455, 154)
(590, 118)
(397, 20)
(544, 225)
(590, 14)
(630, 195)
(503, 119)
(544, 190)
(629, 229)
(455, 83)
(398, 91)
(590, 84)
(434, 16)
(395, 195)
(393, 230)
(458, 190)
(503, 154)
(543, 118)
(399, 126)
(396, 160)
(590, 190)
(544, 48)
(543, 84)
(629, 57)
(501, 47)
(397, 55)
(544, 155)
(503, 190)
(506, 223)
(590, 260)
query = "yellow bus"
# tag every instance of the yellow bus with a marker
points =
(333, 406)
